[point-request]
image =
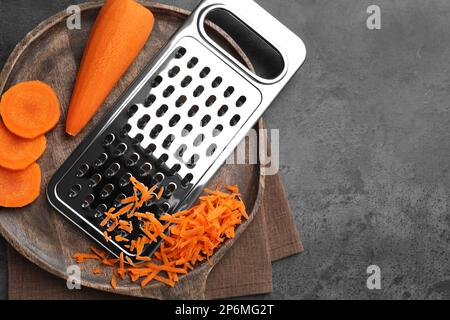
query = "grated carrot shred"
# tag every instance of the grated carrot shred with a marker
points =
(97, 270)
(188, 237)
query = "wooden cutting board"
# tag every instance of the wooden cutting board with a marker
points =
(52, 53)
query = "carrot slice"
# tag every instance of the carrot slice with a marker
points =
(30, 109)
(122, 25)
(18, 153)
(19, 188)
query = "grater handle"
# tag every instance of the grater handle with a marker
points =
(288, 44)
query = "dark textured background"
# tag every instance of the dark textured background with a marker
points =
(364, 144)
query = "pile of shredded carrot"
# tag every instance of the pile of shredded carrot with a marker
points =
(189, 236)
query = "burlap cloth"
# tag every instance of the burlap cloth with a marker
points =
(245, 270)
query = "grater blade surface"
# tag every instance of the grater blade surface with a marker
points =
(173, 128)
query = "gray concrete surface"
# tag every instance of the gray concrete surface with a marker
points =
(365, 144)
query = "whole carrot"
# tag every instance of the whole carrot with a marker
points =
(118, 35)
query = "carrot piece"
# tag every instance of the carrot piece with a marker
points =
(19, 188)
(114, 281)
(160, 193)
(18, 152)
(121, 270)
(106, 236)
(81, 257)
(233, 189)
(130, 262)
(149, 278)
(97, 270)
(144, 258)
(119, 238)
(124, 25)
(30, 109)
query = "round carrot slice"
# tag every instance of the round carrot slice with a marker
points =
(30, 109)
(18, 153)
(19, 188)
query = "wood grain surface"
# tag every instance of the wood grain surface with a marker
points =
(52, 53)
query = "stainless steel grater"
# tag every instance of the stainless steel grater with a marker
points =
(176, 125)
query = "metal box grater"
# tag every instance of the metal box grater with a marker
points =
(176, 125)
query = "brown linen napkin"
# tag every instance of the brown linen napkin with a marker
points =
(246, 269)
(283, 236)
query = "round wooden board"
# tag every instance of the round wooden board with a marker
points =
(51, 53)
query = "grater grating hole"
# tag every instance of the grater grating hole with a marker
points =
(188, 178)
(181, 150)
(168, 141)
(159, 177)
(186, 130)
(171, 187)
(118, 200)
(150, 100)
(216, 82)
(186, 81)
(156, 131)
(174, 120)
(84, 168)
(180, 101)
(100, 210)
(132, 160)
(143, 121)
(180, 53)
(125, 180)
(163, 158)
(235, 120)
(132, 111)
(193, 161)
(205, 120)
(145, 169)
(75, 191)
(112, 170)
(174, 71)
(120, 150)
(198, 141)
(150, 149)
(87, 201)
(162, 110)
(198, 91)
(217, 130)
(240, 102)
(228, 92)
(109, 139)
(102, 158)
(175, 169)
(138, 139)
(168, 92)
(211, 101)
(164, 208)
(106, 191)
(193, 111)
(192, 63)
(204, 73)
(222, 111)
(211, 150)
(124, 131)
(95, 180)
(156, 82)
